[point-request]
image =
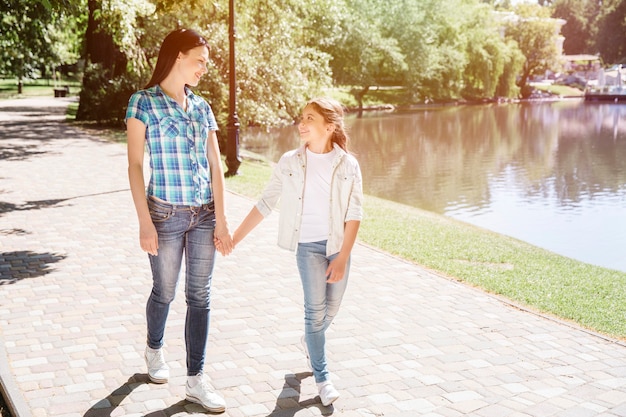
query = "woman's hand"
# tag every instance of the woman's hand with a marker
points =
(220, 247)
(223, 240)
(148, 238)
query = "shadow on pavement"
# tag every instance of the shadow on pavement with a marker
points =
(42, 204)
(15, 266)
(20, 140)
(106, 406)
(29, 205)
(288, 402)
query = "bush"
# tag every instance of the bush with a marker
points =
(104, 99)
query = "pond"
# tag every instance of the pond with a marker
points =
(552, 174)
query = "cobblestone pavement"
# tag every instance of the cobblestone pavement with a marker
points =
(407, 342)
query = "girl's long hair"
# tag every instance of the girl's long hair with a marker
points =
(332, 111)
(180, 40)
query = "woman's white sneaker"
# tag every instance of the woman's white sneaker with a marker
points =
(328, 393)
(198, 392)
(158, 371)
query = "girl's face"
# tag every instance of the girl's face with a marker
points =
(192, 65)
(312, 127)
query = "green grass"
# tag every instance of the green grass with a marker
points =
(34, 88)
(593, 297)
(559, 90)
(376, 96)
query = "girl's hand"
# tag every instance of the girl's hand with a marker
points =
(223, 240)
(220, 247)
(336, 269)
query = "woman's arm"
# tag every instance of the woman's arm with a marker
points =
(222, 234)
(136, 136)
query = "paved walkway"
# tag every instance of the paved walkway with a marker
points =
(407, 342)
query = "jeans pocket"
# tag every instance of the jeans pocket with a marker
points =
(160, 211)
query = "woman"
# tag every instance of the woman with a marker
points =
(320, 191)
(182, 210)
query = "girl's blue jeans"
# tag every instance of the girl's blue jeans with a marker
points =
(321, 301)
(189, 231)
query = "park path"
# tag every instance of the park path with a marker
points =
(406, 343)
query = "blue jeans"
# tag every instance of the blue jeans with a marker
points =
(189, 231)
(321, 301)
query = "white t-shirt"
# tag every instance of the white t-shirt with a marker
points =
(316, 208)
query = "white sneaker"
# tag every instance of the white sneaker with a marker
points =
(158, 371)
(306, 352)
(200, 393)
(328, 393)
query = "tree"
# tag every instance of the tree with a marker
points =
(114, 60)
(486, 54)
(277, 70)
(580, 27)
(537, 37)
(363, 55)
(36, 36)
(611, 39)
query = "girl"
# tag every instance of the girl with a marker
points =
(320, 191)
(184, 208)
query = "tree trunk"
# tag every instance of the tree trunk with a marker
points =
(99, 45)
(358, 95)
(100, 48)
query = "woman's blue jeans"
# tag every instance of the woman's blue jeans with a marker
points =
(321, 301)
(189, 231)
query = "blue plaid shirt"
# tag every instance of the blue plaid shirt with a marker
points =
(177, 144)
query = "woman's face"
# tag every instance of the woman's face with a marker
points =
(193, 64)
(312, 127)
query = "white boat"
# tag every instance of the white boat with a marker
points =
(608, 87)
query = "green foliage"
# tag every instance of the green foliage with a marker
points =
(611, 39)
(580, 29)
(40, 35)
(363, 54)
(536, 35)
(486, 54)
(276, 71)
(513, 63)
(290, 50)
(104, 98)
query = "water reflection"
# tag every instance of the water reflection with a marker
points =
(552, 174)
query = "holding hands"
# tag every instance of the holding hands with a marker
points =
(224, 246)
(223, 240)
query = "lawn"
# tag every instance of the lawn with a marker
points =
(34, 88)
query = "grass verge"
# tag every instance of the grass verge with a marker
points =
(537, 279)
(34, 88)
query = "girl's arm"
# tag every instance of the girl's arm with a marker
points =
(253, 218)
(222, 234)
(136, 136)
(337, 267)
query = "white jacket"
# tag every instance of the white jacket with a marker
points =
(287, 185)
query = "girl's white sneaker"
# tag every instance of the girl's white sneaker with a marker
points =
(328, 393)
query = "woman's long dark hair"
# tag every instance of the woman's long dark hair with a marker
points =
(180, 40)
